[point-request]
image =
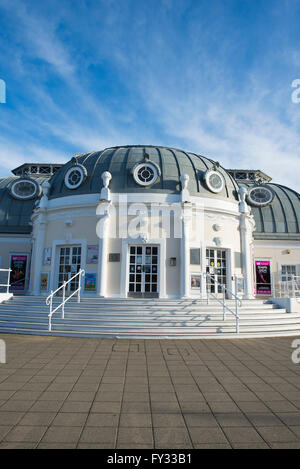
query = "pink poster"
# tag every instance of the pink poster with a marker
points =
(263, 277)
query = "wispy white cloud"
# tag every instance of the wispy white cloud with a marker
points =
(12, 155)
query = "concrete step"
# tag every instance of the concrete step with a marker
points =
(137, 311)
(149, 325)
(149, 307)
(132, 318)
(132, 302)
(150, 315)
(162, 334)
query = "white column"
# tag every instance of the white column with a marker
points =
(38, 252)
(39, 220)
(246, 243)
(185, 251)
(103, 226)
(103, 233)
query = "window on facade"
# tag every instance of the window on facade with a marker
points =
(287, 271)
(195, 256)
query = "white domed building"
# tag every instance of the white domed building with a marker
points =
(146, 222)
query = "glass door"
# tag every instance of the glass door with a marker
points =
(143, 271)
(216, 267)
(69, 265)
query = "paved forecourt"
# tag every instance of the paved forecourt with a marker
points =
(101, 393)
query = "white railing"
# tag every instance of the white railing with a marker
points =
(6, 285)
(289, 288)
(49, 299)
(237, 301)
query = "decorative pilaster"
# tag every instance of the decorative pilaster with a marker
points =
(246, 229)
(185, 250)
(103, 234)
(39, 229)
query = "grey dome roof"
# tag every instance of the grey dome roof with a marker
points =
(119, 161)
(15, 214)
(281, 219)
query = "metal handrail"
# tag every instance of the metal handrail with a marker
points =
(296, 286)
(238, 301)
(49, 299)
(289, 288)
(7, 285)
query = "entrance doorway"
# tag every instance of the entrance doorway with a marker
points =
(69, 265)
(216, 267)
(143, 271)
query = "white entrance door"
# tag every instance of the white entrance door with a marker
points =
(217, 268)
(69, 265)
(143, 271)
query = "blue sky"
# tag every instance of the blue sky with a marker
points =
(208, 76)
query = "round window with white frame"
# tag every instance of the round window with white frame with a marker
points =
(145, 174)
(260, 196)
(75, 176)
(214, 181)
(25, 189)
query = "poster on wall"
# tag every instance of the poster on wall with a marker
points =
(18, 265)
(47, 256)
(263, 277)
(90, 282)
(92, 254)
(44, 281)
(195, 281)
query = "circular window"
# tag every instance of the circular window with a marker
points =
(145, 174)
(75, 176)
(25, 189)
(214, 181)
(260, 196)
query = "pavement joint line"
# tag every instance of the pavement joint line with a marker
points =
(254, 392)
(122, 399)
(46, 388)
(208, 404)
(236, 403)
(149, 392)
(182, 414)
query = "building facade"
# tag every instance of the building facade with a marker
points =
(145, 221)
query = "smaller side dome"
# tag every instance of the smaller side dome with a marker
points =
(15, 212)
(278, 219)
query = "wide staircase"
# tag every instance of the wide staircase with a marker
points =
(146, 319)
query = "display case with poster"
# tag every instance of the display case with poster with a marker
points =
(90, 282)
(47, 256)
(18, 265)
(44, 281)
(92, 254)
(263, 277)
(195, 283)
